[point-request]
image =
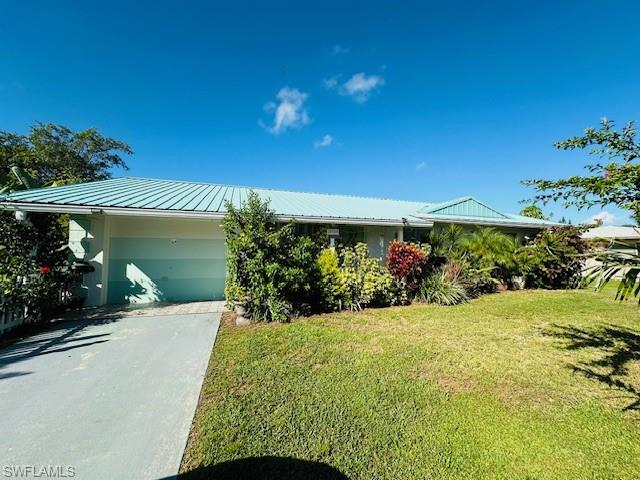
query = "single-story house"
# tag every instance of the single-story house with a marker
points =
(161, 240)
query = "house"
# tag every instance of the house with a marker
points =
(151, 240)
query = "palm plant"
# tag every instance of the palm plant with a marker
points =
(613, 264)
(492, 251)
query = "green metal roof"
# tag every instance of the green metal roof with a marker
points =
(127, 195)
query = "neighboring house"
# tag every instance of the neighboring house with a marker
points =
(613, 238)
(152, 240)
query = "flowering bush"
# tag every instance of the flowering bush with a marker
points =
(407, 262)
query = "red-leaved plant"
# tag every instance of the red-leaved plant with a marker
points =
(407, 263)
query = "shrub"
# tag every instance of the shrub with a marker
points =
(437, 288)
(33, 264)
(553, 260)
(407, 263)
(368, 282)
(334, 290)
(271, 270)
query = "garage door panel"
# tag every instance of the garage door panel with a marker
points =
(152, 248)
(161, 269)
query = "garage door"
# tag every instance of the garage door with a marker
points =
(165, 260)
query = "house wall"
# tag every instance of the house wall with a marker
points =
(378, 240)
(87, 242)
(153, 259)
(142, 260)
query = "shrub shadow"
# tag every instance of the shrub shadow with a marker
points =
(616, 348)
(266, 468)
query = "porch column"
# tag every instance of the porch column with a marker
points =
(400, 234)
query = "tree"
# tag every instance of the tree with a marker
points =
(50, 154)
(615, 180)
(533, 211)
(55, 154)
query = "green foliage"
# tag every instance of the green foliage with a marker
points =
(49, 154)
(480, 258)
(368, 282)
(533, 211)
(33, 264)
(271, 270)
(334, 289)
(554, 259)
(55, 154)
(612, 264)
(438, 288)
(614, 181)
(492, 251)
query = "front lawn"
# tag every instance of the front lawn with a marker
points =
(533, 384)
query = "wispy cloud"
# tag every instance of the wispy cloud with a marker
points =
(360, 86)
(325, 141)
(603, 218)
(288, 112)
(420, 166)
(340, 50)
(330, 82)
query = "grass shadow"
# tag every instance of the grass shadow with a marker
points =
(265, 468)
(615, 348)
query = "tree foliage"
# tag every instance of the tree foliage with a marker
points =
(271, 270)
(533, 211)
(33, 257)
(555, 258)
(55, 154)
(613, 180)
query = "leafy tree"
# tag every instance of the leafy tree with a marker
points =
(533, 211)
(55, 154)
(33, 258)
(614, 180)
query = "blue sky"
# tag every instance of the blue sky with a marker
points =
(421, 101)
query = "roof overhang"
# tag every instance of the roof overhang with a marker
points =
(150, 212)
(489, 222)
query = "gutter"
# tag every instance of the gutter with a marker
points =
(507, 223)
(158, 213)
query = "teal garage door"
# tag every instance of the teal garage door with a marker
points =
(143, 270)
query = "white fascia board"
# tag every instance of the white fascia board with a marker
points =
(507, 223)
(149, 212)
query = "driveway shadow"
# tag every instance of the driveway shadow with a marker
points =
(616, 347)
(57, 337)
(266, 468)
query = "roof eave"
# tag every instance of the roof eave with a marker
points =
(150, 212)
(489, 222)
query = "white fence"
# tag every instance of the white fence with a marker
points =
(12, 317)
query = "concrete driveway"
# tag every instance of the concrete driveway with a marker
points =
(103, 398)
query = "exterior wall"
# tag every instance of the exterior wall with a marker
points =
(87, 242)
(378, 240)
(165, 260)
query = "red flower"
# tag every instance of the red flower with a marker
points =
(44, 269)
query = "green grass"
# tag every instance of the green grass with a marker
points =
(533, 384)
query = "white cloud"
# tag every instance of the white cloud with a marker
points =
(420, 166)
(330, 82)
(604, 218)
(288, 112)
(340, 50)
(360, 86)
(323, 142)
